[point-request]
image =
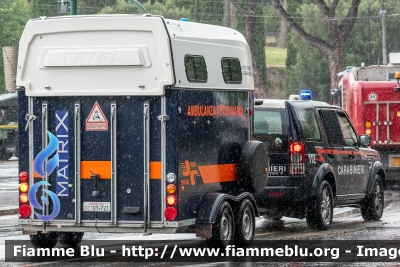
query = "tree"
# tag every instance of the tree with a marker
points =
(13, 17)
(334, 47)
(252, 13)
(39, 8)
(282, 35)
(167, 8)
(93, 6)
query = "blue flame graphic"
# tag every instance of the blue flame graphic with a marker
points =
(44, 154)
(35, 203)
(48, 169)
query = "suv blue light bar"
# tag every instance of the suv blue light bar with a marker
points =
(305, 95)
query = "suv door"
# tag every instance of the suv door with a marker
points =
(338, 153)
(357, 165)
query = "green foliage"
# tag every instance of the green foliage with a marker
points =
(13, 17)
(272, 21)
(365, 43)
(39, 8)
(167, 9)
(93, 6)
(308, 68)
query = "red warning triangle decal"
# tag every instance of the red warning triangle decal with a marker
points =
(96, 121)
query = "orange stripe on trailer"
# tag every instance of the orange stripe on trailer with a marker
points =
(35, 175)
(102, 168)
(155, 170)
(218, 173)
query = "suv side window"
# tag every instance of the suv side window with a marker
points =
(350, 137)
(338, 128)
(332, 128)
(309, 124)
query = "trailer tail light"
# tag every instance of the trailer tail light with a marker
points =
(24, 187)
(24, 209)
(23, 198)
(171, 189)
(23, 177)
(171, 212)
(297, 158)
(171, 200)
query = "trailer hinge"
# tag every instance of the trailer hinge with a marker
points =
(163, 118)
(29, 118)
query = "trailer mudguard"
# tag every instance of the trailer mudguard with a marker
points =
(207, 211)
(323, 170)
(376, 169)
(208, 208)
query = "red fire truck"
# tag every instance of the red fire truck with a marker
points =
(370, 97)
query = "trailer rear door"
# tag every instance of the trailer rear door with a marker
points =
(109, 168)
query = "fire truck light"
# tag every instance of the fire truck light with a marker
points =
(368, 131)
(368, 124)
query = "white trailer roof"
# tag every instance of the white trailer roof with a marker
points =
(94, 55)
(123, 55)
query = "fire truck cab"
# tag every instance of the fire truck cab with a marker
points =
(136, 124)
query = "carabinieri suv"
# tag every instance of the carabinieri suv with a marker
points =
(317, 162)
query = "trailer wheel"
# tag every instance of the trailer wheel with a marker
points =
(224, 228)
(245, 223)
(70, 239)
(372, 206)
(44, 240)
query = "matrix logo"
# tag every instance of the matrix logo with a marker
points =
(45, 172)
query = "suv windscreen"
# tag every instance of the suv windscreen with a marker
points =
(270, 127)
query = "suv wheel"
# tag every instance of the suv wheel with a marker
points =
(320, 211)
(372, 206)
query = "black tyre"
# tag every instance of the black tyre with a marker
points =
(372, 206)
(223, 230)
(320, 211)
(44, 240)
(245, 223)
(70, 239)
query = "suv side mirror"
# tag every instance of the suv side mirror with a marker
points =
(365, 140)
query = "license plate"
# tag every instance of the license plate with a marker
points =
(97, 206)
(396, 162)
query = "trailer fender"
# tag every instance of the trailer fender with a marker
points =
(208, 208)
(325, 172)
(376, 169)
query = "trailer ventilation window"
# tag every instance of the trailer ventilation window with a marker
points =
(231, 70)
(196, 69)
